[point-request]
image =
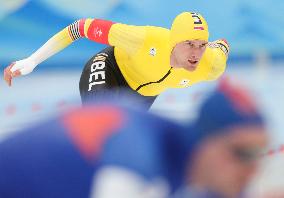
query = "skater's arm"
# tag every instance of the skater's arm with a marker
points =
(79, 29)
(126, 37)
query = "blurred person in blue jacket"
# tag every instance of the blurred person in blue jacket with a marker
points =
(109, 150)
(225, 144)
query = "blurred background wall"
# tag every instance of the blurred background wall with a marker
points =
(254, 30)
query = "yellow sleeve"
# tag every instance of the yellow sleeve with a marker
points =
(219, 50)
(127, 37)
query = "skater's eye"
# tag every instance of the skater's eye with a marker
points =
(203, 45)
(190, 44)
(246, 155)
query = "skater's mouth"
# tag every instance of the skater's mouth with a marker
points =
(193, 62)
(192, 65)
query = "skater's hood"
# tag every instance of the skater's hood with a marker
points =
(188, 26)
(227, 107)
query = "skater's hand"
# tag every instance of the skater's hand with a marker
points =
(18, 68)
(225, 43)
(222, 44)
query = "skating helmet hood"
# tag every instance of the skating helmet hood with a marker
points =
(188, 26)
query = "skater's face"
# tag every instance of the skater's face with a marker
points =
(226, 163)
(187, 54)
